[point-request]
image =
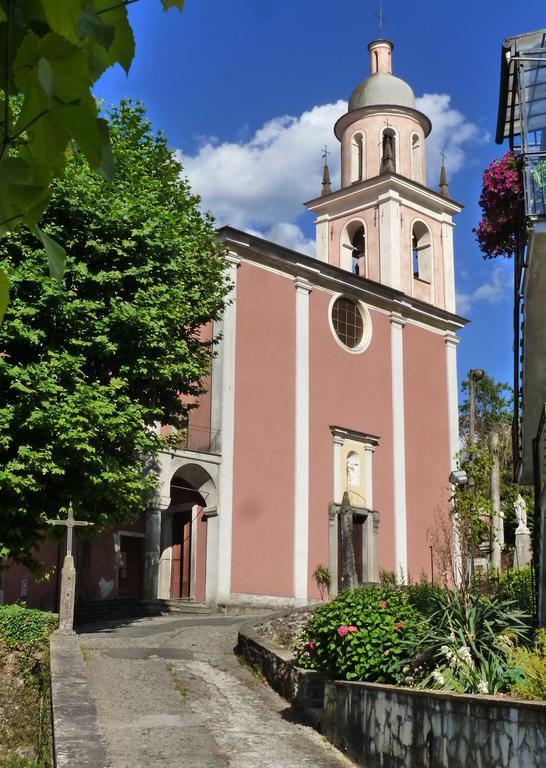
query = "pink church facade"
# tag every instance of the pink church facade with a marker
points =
(334, 375)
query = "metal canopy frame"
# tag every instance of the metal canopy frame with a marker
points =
(522, 84)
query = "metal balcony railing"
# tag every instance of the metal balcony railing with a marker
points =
(534, 180)
(203, 439)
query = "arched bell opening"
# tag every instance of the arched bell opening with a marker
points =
(353, 248)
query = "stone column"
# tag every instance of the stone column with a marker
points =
(333, 548)
(68, 596)
(399, 451)
(524, 552)
(227, 428)
(451, 342)
(152, 547)
(370, 554)
(497, 521)
(301, 468)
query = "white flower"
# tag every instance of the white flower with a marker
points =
(438, 677)
(465, 655)
(482, 687)
(447, 652)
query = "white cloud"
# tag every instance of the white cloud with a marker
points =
(266, 179)
(260, 183)
(291, 236)
(492, 291)
(451, 131)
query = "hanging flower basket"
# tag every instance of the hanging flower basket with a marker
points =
(502, 204)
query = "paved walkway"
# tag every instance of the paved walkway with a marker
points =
(170, 692)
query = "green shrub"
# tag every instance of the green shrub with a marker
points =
(323, 580)
(468, 645)
(21, 626)
(519, 586)
(364, 634)
(531, 665)
(425, 596)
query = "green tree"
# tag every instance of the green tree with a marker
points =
(493, 412)
(52, 53)
(88, 367)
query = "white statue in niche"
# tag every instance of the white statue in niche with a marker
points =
(520, 508)
(353, 470)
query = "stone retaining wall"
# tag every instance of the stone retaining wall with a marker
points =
(302, 687)
(384, 726)
(77, 739)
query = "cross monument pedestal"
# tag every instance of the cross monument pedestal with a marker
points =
(68, 575)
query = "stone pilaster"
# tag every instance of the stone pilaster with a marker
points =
(152, 547)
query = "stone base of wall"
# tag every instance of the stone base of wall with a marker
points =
(383, 726)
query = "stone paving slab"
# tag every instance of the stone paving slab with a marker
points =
(172, 693)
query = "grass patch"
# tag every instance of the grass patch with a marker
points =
(25, 725)
(86, 652)
(179, 684)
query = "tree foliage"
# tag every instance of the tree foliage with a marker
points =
(88, 367)
(52, 53)
(493, 412)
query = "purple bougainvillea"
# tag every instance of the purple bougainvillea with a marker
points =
(502, 204)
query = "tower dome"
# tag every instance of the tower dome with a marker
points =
(382, 87)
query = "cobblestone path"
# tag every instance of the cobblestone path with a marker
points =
(170, 693)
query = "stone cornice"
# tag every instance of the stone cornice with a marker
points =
(317, 273)
(356, 195)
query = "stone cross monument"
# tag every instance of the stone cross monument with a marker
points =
(523, 553)
(68, 575)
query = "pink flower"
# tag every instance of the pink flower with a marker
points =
(343, 630)
(398, 625)
(382, 604)
(312, 645)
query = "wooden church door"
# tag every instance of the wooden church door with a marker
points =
(181, 555)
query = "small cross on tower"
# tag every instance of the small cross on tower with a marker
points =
(68, 574)
(379, 15)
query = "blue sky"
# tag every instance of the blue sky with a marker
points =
(248, 92)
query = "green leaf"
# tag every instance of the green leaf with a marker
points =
(122, 49)
(91, 25)
(56, 254)
(4, 293)
(62, 17)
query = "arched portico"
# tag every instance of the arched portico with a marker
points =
(189, 537)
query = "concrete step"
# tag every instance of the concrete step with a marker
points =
(93, 611)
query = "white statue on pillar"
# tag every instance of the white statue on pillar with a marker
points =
(520, 508)
(523, 554)
(353, 470)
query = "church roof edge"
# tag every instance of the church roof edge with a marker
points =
(318, 269)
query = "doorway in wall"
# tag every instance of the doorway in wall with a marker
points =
(131, 556)
(181, 555)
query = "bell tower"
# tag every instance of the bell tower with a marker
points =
(384, 224)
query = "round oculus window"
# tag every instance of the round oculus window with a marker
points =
(348, 322)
